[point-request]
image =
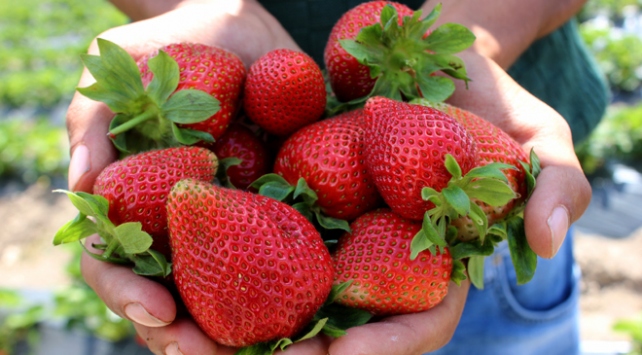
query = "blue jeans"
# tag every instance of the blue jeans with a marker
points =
(540, 317)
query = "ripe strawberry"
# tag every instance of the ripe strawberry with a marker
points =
(213, 70)
(249, 269)
(284, 91)
(137, 186)
(385, 281)
(183, 96)
(386, 43)
(349, 78)
(240, 142)
(493, 146)
(406, 146)
(330, 156)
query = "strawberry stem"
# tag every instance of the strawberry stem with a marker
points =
(146, 115)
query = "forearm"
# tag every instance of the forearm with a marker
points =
(143, 9)
(506, 28)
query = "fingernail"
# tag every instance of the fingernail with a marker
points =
(137, 313)
(172, 349)
(558, 224)
(78, 165)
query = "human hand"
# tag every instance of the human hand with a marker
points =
(562, 193)
(242, 27)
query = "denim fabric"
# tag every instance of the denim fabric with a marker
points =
(540, 317)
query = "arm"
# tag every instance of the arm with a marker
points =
(505, 29)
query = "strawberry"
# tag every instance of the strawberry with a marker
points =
(284, 91)
(349, 78)
(128, 206)
(493, 146)
(138, 185)
(406, 146)
(213, 70)
(383, 48)
(182, 97)
(251, 154)
(249, 269)
(329, 155)
(375, 256)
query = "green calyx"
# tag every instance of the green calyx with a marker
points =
(404, 60)
(301, 197)
(489, 185)
(126, 243)
(146, 118)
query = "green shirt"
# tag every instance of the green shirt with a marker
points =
(557, 68)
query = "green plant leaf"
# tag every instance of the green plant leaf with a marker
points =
(274, 186)
(457, 199)
(316, 329)
(188, 136)
(476, 271)
(449, 38)
(480, 220)
(490, 191)
(151, 264)
(490, 171)
(470, 249)
(77, 229)
(459, 272)
(132, 238)
(332, 223)
(166, 77)
(435, 88)
(190, 106)
(452, 166)
(305, 192)
(340, 318)
(221, 173)
(523, 257)
(418, 244)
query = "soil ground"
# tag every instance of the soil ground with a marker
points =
(612, 276)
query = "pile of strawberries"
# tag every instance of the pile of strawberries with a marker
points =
(277, 207)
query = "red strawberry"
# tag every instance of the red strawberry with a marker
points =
(385, 281)
(213, 70)
(493, 146)
(330, 156)
(406, 146)
(349, 78)
(185, 94)
(137, 186)
(249, 269)
(386, 43)
(240, 142)
(284, 91)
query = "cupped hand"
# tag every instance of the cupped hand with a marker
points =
(562, 193)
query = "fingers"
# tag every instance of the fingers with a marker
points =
(181, 337)
(408, 334)
(133, 297)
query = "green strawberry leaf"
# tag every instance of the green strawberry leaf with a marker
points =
(457, 198)
(221, 173)
(190, 106)
(491, 191)
(188, 136)
(305, 192)
(340, 318)
(490, 171)
(337, 290)
(458, 273)
(523, 257)
(332, 223)
(436, 88)
(480, 220)
(476, 271)
(151, 264)
(449, 38)
(452, 166)
(273, 186)
(132, 238)
(77, 229)
(166, 77)
(469, 249)
(316, 329)
(403, 59)
(256, 349)
(418, 244)
(430, 194)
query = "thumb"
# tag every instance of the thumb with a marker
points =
(91, 149)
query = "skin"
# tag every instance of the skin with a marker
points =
(244, 27)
